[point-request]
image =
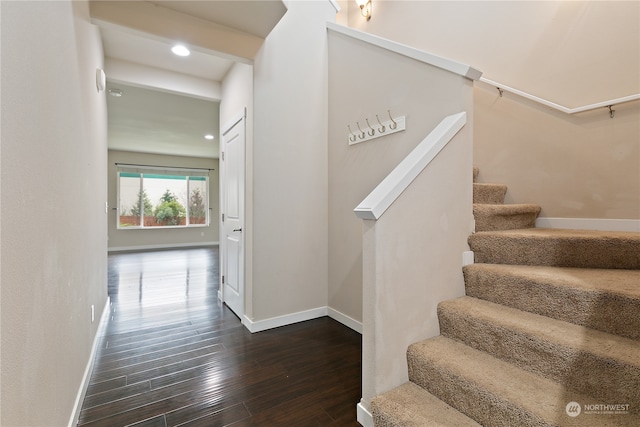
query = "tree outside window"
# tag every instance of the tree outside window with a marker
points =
(170, 211)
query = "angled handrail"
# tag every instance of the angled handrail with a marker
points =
(567, 110)
(379, 200)
(408, 51)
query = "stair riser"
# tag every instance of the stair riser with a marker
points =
(611, 313)
(502, 222)
(382, 419)
(582, 253)
(467, 397)
(605, 378)
(489, 194)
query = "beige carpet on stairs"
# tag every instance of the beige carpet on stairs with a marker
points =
(550, 324)
(602, 299)
(557, 350)
(494, 392)
(492, 217)
(489, 193)
(556, 247)
(412, 406)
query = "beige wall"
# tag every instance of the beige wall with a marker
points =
(130, 239)
(54, 189)
(583, 166)
(289, 164)
(572, 53)
(365, 81)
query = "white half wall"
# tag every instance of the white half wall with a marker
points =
(412, 260)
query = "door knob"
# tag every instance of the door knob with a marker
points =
(237, 229)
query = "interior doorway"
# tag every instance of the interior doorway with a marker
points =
(232, 191)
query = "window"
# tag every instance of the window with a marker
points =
(156, 197)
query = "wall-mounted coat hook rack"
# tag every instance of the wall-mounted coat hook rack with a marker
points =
(388, 127)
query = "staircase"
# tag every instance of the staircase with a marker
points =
(548, 333)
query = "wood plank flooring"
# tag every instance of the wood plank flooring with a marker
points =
(172, 355)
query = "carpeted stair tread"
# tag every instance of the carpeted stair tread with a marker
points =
(558, 350)
(492, 194)
(558, 247)
(409, 405)
(496, 393)
(604, 299)
(490, 217)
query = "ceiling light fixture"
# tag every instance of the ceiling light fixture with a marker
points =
(180, 50)
(208, 136)
(365, 8)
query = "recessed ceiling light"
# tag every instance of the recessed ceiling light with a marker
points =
(208, 136)
(180, 50)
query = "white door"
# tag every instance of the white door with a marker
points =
(232, 219)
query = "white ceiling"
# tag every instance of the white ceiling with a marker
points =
(145, 119)
(257, 17)
(150, 121)
(119, 43)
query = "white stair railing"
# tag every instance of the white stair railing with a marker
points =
(604, 104)
(379, 200)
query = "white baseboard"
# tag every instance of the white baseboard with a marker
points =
(468, 258)
(301, 316)
(162, 246)
(590, 224)
(349, 322)
(77, 407)
(364, 417)
(287, 319)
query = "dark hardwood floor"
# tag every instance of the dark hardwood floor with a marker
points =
(172, 355)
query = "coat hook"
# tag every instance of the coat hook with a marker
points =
(371, 131)
(394, 125)
(352, 137)
(362, 134)
(611, 111)
(382, 128)
(500, 91)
